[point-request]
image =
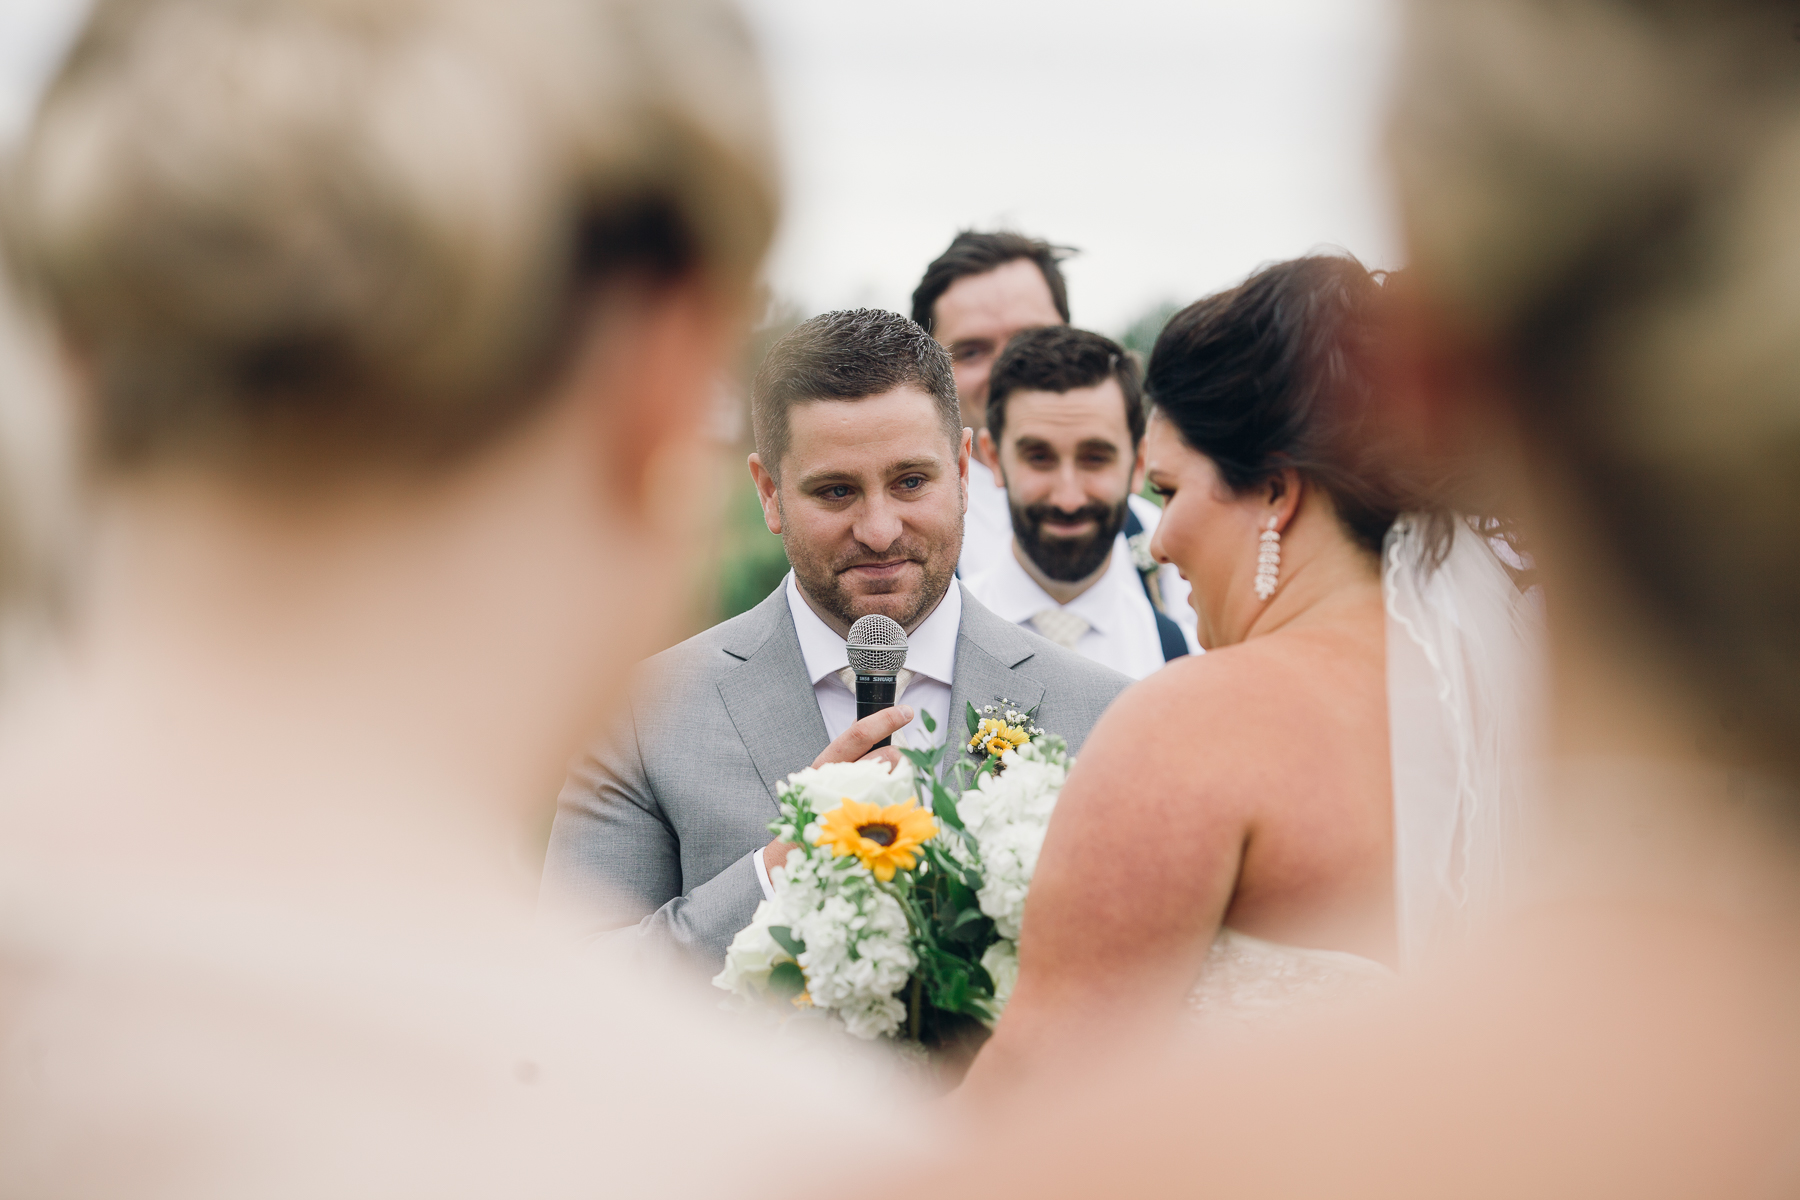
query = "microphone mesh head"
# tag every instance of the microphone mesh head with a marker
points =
(877, 645)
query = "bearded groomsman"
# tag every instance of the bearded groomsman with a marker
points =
(1064, 435)
(862, 462)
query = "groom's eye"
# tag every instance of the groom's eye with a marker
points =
(837, 491)
(913, 483)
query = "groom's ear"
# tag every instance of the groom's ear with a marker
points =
(766, 491)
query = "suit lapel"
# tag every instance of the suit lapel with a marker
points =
(769, 697)
(987, 651)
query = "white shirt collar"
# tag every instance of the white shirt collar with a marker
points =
(1015, 596)
(930, 649)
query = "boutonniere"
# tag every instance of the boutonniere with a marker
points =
(1139, 544)
(996, 728)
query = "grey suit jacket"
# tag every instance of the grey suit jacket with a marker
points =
(656, 825)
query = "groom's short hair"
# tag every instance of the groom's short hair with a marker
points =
(847, 356)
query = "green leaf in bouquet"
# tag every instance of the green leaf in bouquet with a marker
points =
(930, 725)
(784, 937)
(973, 928)
(961, 895)
(956, 991)
(953, 875)
(918, 758)
(974, 717)
(944, 805)
(950, 984)
(787, 980)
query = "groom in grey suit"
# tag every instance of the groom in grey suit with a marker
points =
(862, 465)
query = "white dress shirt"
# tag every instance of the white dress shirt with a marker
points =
(987, 526)
(988, 538)
(1121, 631)
(930, 656)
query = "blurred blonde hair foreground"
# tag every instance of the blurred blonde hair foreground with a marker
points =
(392, 327)
(287, 234)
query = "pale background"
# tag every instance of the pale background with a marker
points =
(1178, 143)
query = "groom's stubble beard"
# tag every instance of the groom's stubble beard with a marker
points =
(820, 574)
(1068, 560)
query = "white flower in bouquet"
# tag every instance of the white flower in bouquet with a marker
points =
(858, 956)
(1001, 962)
(824, 788)
(1007, 814)
(752, 955)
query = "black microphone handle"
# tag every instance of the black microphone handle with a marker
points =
(874, 693)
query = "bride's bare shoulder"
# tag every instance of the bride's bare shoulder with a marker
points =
(1220, 684)
(1196, 707)
(1227, 706)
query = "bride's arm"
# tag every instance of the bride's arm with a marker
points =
(1137, 870)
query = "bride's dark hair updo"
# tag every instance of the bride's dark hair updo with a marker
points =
(1272, 374)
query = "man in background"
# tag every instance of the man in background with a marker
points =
(974, 298)
(1064, 435)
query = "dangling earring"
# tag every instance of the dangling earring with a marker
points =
(1268, 561)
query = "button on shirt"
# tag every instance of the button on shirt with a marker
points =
(1121, 625)
(930, 656)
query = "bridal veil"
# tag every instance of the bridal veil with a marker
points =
(1463, 655)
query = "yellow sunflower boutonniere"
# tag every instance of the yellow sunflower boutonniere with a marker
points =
(882, 838)
(996, 737)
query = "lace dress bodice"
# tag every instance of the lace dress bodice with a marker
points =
(1247, 980)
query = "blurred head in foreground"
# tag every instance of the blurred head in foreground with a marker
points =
(317, 261)
(1599, 209)
(395, 327)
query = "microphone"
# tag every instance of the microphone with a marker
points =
(877, 651)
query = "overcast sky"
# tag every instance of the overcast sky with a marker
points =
(1178, 143)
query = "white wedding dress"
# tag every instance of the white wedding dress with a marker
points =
(1247, 980)
(1462, 658)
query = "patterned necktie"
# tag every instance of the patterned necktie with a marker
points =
(1061, 626)
(902, 677)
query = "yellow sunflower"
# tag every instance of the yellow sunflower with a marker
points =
(997, 737)
(883, 838)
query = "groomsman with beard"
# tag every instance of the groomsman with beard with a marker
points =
(980, 293)
(862, 464)
(1064, 435)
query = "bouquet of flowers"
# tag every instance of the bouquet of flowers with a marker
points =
(898, 915)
